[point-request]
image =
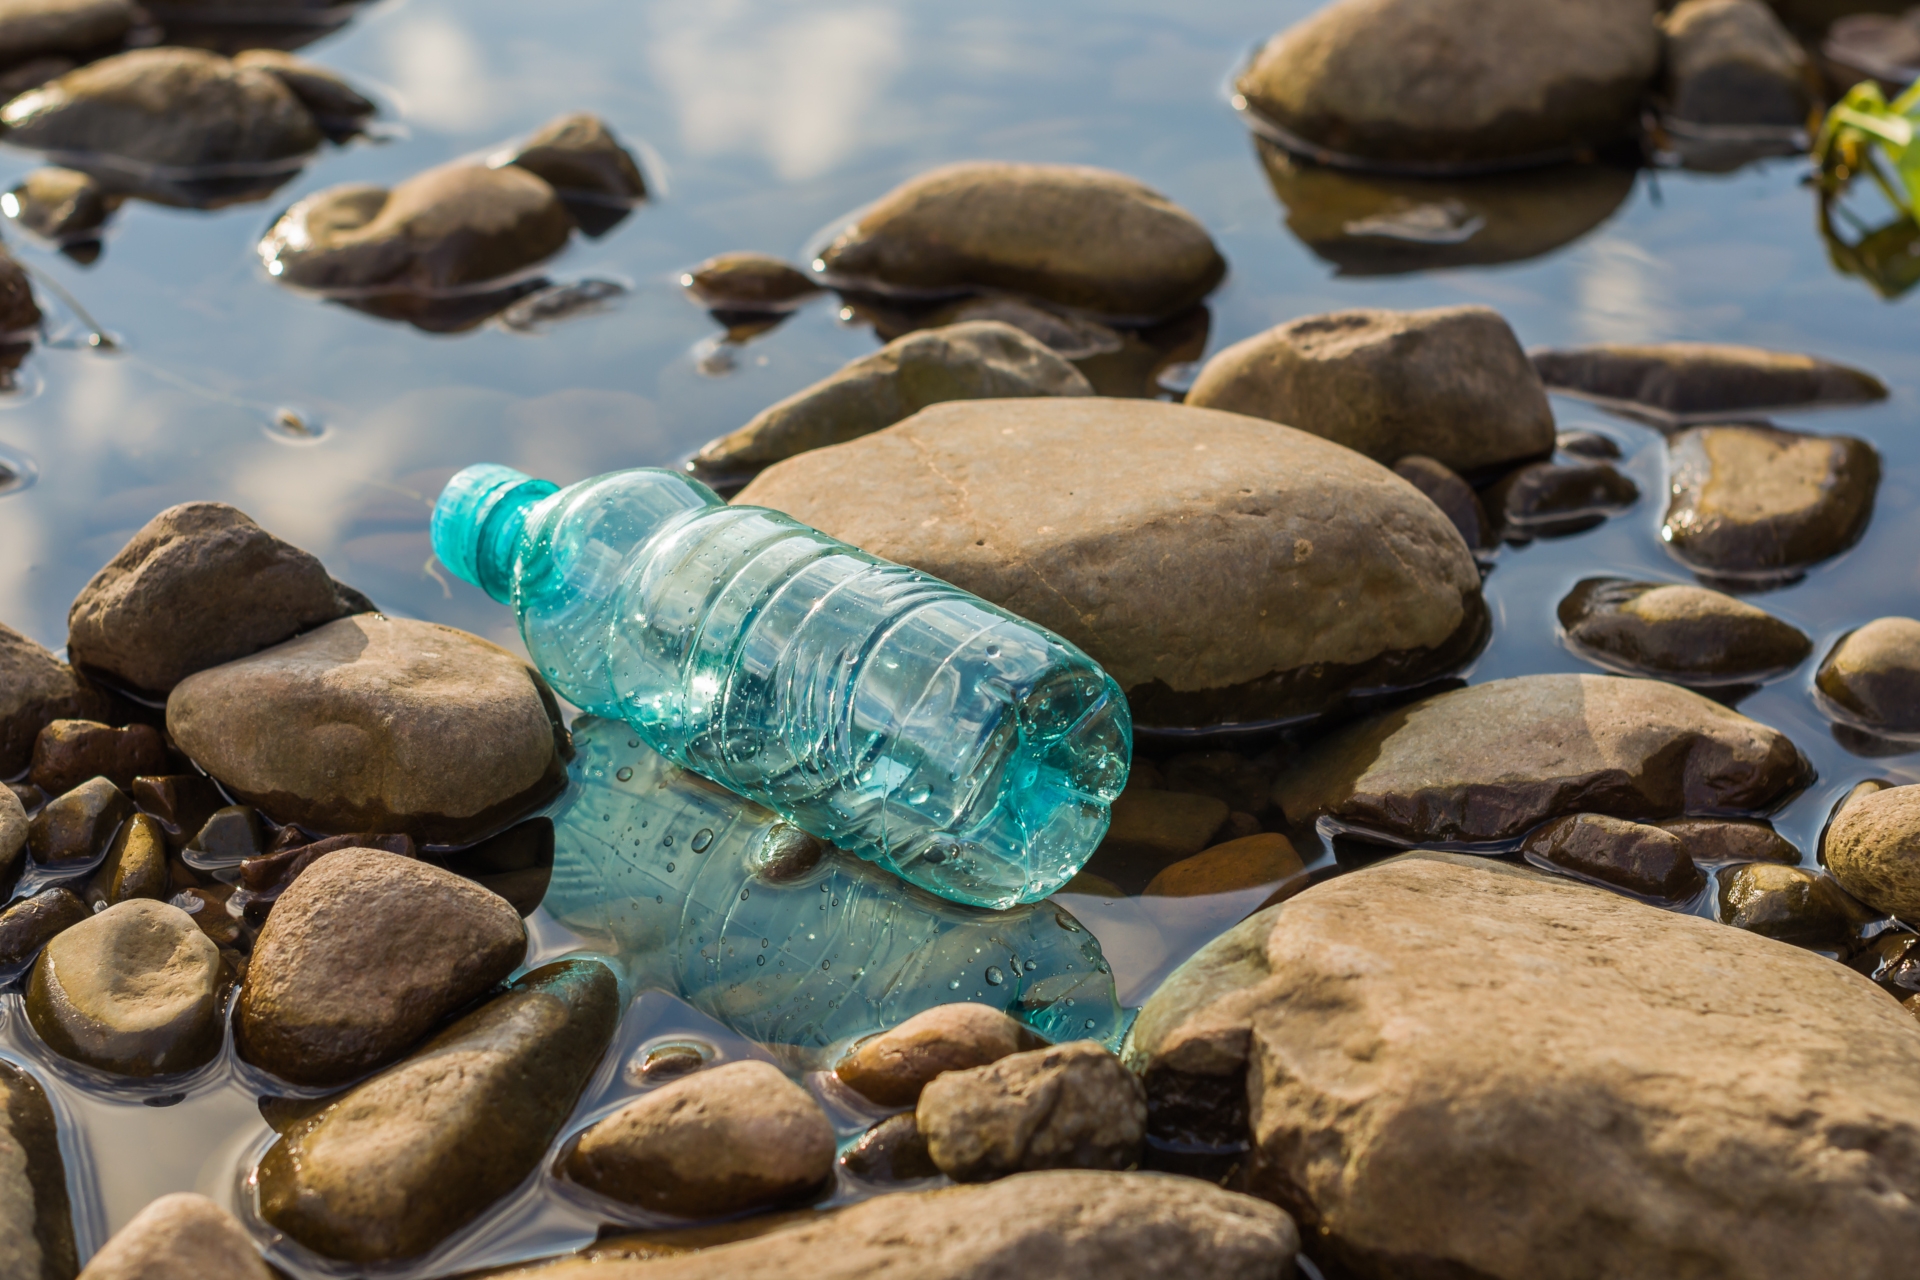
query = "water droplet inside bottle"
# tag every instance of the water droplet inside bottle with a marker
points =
(701, 839)
(1089, 1024)
(918, 795)
(624, 773)
(759, 959)
(993, 651)
(669, 866)
(667, 840)
(1033, 966)
(633, 742)
(994, 976)
(825, 965)
(954, 985)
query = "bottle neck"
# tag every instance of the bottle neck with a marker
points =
(477, 523)
(500, 537)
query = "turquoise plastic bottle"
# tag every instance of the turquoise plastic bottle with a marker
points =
(701, 894)
(966, 750)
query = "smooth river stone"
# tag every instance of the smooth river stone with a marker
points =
(335, 104)
(1085, 238)
(1791, 904)
(35, 28)
(1873, 675)
(1759, 504)
(78, 826)
(1061, 1225)
(1447, 491)
(36, 1218)
(1394, 82)
(29, 924)
(726, 1140)
(69, 752)
(447, 228)
(1452, 384)
(200, 584)
(135, 865)
(1687, 634)
(13, 839)
(1873, 850)
(182, 1236)
(1683, 380)
(749, 282)
(1730, 62)
(1221, 568)
(176, 108)
(361, 957)
(133, 990)
(36, 689)
(62, 205)
(1633, 856)
(1067, 1106)
(577, 155)
(1457, 1067)
(1490, 762)
(894, 1066)
(984, 360)
(392, 1167)
(377, 724)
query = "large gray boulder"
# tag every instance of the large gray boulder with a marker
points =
(1221, 568)
(1461, 83)
(1447, 1066)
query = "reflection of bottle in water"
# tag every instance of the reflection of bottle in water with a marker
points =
(969, 751)
(717, 901)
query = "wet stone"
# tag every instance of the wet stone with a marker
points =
(361, 957)
(1390, 82)
(35, 689)
(1790, 904)
(1491, 762)
(979, 361)
(1684, 381)
(38, 1217)
(77, 826)
(377, 724)
(68, 752)
(578, 155)
(133, 990)
(1151, 829)
(337, 107)
(199, 585)
(1625, 855)
(1227, 776)
(893, 1067)
(1307, 571)
(1085, 238)
(264, 879)
(750, 282)
(892, 1151)
(1690, 635)
(1759, 504)
(181, 802)
(230, 835)
(1454, 496)
(517, 864)
(1070, 337)
(59, 204)
(35, 28)
(1588, 444)
(1893, 961)
(1452, 384)
(1067, 1106)
(13, 840)
(725, 1140)
(365, 1178)
(1726, 840)
(1873, 850)
(179, 1237)
(1730, 62)
(31, 74)
(1550, 499)
(207, 908)
(1249, 862)
(135, 866)
(31, 923)
(448, 228)
(19, 314)
(1873, 675)
(1629, 1064)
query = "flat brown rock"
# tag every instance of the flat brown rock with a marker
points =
(1220, 567)
(1682, 633)
(1490, 762)
(894, 1066)
(1694, 380)
(1461, 1068)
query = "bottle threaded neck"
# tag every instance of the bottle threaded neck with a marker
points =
(477, 522)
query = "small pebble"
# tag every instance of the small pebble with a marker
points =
(77, 826)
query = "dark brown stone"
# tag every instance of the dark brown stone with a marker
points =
(77, 826)
(1687, 634)
(38, 1215)
(1451, 494)
(1067, 1106)
(36, 689)
(136, 864)
(1685, 380)
(1873, 675)
(30, 924)
(748, 282)
(892, 1151)
(1624, 855)
(578, 155)
(1791, 904)
(1726, 840)
(68, 752)
(182, 802)
(1548, 499)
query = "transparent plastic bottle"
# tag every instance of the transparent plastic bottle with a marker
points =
(711, 898)
(967, 750)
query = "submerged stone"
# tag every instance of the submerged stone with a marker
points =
(1067, 1106)
(36, 1217)
(1873, 675)
(1549, 499)
(1450, 383)
(978, 361)
(1696, 380)
(1254, 861)
(748, 282)
(200, 584)
(1624, 855)
(1730, 62)
(726, 1140)
(1689, 635)
(133, 990)
(1790, 904)
(377, 724)
(1082, 237)
(893, 1067)
(1873, 850)
(1221, 568)
(366, 1178)
(1396, 1027)
(59, 204)
(1151, 828)
(578, 155)
(1760, 504)
(892, 1151)
(1392, 82)
(1490, 762)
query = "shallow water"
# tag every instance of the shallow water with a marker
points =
(762, 122)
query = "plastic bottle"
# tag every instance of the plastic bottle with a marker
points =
(789, 942)
(968, 751)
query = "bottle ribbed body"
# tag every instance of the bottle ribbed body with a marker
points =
(967, 750)
(685, 883)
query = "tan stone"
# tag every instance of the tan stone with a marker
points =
(36, 689)
(1451, 384)
(179, 1237)
(1067, 1106)
(894, 1066)
(1458, 1067)
(31, 28)
(1675, 632)
(1873, 850)
(1873, 674)
(1761, 504)
(1221, 568)
(1251, 862)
